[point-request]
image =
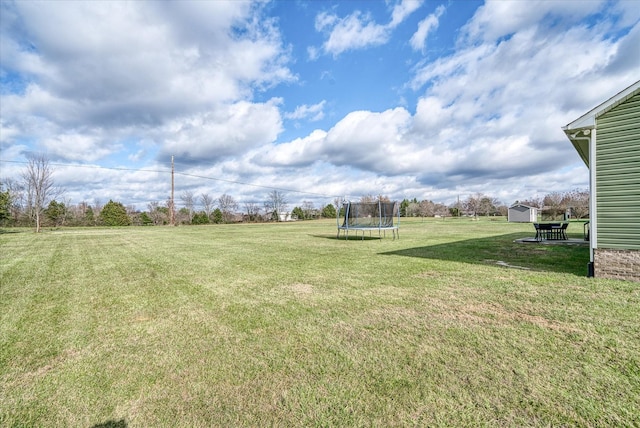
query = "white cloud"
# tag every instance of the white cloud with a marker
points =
(359, 30)
(425, 27)
(355, 31)
(362, 139)
(496, 105)
(314, 112)
(299, 152)
(133, 67)
(403, 10)
(627, 11)
(494, 80)
(228, 130)
(77, 147)
(190, 79)
(489, 116)
(496, 18)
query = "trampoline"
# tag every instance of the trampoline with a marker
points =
(369, 216)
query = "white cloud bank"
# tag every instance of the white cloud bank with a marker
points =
(491, 111)
(94, 80)
(133, 68)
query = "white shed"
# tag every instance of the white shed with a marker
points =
(285, 216)
(520, 213)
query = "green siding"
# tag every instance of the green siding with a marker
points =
(618, 176)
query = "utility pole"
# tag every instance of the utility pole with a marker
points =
(172, 213)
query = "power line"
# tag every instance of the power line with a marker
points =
(168, 171)
(115, 168)
(254, 185)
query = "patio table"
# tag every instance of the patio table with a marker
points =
(551, 231)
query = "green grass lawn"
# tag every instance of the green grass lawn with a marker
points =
(284, 325)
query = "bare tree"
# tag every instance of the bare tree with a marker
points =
(252, 209)
(308, 209)
(157, 213)
(228, 206)
(40, 188)
(578, 201)
(442, 210)
(554, 207)
(97, 207)
(80, 212)
(207, 203)
(412, 209)
(276, 203)
(188, 201)
(488, 205)
(366, 199)
(553, 199)
(426, 209)
(472, 204)
(268, 211)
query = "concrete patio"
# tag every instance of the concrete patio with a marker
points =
(570, 241)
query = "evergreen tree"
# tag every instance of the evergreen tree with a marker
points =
(5, 206)
(217, 216)
(200, 218)
(56, 212)
(145, 219)
(329, 211)
(403, 207)
(89, 217)
(114, 214)
(297, 211)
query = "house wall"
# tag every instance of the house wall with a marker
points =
(617, 264)
(617, 179)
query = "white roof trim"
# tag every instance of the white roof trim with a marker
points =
(588, 120)
(523, 205)
(578, 131)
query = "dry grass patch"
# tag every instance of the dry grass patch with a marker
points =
(300, 289)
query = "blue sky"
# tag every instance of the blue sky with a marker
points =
(319, 99)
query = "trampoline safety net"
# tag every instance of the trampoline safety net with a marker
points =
(370, 216)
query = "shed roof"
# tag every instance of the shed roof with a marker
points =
(579, 130)
(523, 205)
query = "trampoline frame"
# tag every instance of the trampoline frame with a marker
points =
(381, 226)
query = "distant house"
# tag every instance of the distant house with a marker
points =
(520, 213)
(608, 140)
(285, 216)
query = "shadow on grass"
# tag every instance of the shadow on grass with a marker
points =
(3, 231)
(350, 237)
(112, 424)
(502, 250)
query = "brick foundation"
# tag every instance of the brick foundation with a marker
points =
(617, 264)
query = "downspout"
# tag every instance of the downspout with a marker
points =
(589, 135)
(593, 210)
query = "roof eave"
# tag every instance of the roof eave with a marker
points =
(580, 138)
(579, 131)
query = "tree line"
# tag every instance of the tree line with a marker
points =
(35, 200)
(553, 206)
